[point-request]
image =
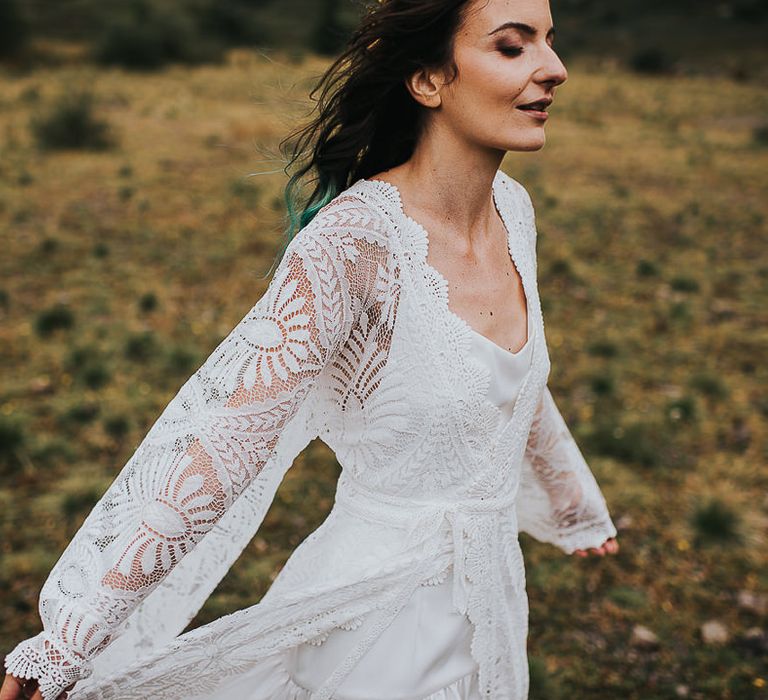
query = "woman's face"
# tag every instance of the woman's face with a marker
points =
(502, 68)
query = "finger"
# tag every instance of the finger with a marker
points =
(11, 688)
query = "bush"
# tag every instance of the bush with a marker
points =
(329, 36)
(12, 439)
(715, 521)
(148, 37)
(684, 284)
(72, 124)
(637, 443)
(54, 318)
(760, 135)
(140, 346)
(651, 61)
(14, 31)
(233, 21)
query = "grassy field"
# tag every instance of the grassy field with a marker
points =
(122, 268)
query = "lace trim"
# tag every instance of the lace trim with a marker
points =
(53, 666)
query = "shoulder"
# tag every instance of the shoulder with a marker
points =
(518, 191)
(350, 215)
(521, 203)
(348, 238)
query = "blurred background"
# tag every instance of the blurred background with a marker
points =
(135, 236)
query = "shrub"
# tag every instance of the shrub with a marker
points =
(637, 443)
(602, 384)
(12, 438)
(709, 384)
(231, 20)
(646, 268)
(75, 505)
(72, 124)
(715, 521)
(54, 318)
(651, 61)
(329, 35)
(181, 360)
(88, 366)
(14, 31)
(603, 348)
(681, 410)
(81, 413)
(117, 426)
(684, 284)
(760, 135)
(148, 302)
(147, 37)
(140, 346)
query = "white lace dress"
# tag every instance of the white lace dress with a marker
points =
(425, 654)
(449, 447)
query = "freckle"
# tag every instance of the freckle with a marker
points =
(491, 313)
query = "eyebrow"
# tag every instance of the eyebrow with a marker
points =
(525, 28)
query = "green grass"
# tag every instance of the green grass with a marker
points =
(122, 270)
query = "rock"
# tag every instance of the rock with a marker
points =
(643, 638)
(753, 602)
(714, 632)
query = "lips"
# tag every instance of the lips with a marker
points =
(537, 106)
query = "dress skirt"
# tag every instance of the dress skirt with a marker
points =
(424, 654)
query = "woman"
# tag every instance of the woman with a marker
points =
(403, 326)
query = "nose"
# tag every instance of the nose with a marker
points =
(553, 70)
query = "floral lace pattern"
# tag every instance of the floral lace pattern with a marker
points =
(354, 342)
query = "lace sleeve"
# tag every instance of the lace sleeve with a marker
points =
(209, 444)
(559, 500)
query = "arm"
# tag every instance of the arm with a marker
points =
(559, 500)
(213, 442)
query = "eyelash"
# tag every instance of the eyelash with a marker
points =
(511, 50)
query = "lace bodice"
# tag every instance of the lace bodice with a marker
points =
(354, 342)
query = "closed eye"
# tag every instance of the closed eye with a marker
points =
(511, 50)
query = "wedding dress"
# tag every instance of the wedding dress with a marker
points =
(425, 653)
(449, 447)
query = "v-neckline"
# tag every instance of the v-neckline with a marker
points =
(508, 442)
(395, 190)
(508, 353)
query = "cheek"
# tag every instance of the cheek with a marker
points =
(489, 80)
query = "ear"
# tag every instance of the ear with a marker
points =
(424, 87)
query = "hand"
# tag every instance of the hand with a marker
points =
(14, 688)
(610, 546)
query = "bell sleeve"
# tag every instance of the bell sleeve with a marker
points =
(559, 500)
(212, 443)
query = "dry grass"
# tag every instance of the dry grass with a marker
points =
(641, 175)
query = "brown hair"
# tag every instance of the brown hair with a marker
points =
(367, 121)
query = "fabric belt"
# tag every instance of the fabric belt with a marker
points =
(423, 521)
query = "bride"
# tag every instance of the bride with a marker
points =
(403, 327)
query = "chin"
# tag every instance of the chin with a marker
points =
(531, 144)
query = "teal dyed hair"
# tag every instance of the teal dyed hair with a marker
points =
(367, 121)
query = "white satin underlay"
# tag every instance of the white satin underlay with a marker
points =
(426, 648)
